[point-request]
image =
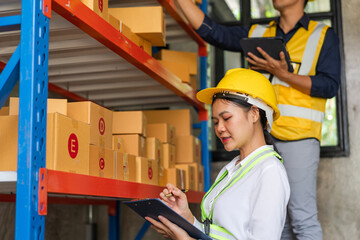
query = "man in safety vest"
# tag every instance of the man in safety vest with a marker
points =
(314, 53)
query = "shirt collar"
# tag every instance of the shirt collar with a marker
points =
(303, 22)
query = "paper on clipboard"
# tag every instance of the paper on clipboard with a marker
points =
(153, 207)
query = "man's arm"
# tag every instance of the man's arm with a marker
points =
(192, 13)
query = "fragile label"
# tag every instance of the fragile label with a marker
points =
(102, 163)
(101, 126)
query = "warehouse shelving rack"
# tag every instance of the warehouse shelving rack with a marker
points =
(29, 63)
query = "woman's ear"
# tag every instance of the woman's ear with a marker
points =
(254, 114)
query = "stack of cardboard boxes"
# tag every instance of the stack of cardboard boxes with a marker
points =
(187, 147)
(152, 147)
(130, 127)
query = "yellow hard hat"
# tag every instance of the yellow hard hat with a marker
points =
(248, 82)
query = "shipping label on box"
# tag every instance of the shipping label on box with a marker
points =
(100, 7)
(201, 179)
(163, 131)
(101, 162)
(129, 167)
(9, 142)
(129, 122)
(180, 119)
(168, 156)
(147, 171)
(196, 175)
(189, 175)
(68, 142)
(154, 149)
(134, 144)
(118, 143)
(119, 165)
(99, 118)
(53, 106)
(188, 149)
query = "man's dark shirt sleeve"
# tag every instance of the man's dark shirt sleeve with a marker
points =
(224, 37)
(325, 83)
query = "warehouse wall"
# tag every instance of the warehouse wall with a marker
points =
(338, 178)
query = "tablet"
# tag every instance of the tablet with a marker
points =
(272, 45)
(153, 207)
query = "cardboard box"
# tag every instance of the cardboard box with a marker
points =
(163, 131)
(118, 143)
(4, 111)
(147, 171)
(100, 7)
(150, 26)
(188, 149)
(173, 176)
(189, 175)
(129, 122)
(67, 144)
(196, 175)
(99, 118)
(53, 105)
(189, 58)
(180, 119)
(101, 162)
(142, 43)
(201, 179)
(134, 144)
(119, 165)
(193, 82)
(9, 142)
(169, 154)
(114, 22)
(154, 149)
(129, 167)
(181, 70)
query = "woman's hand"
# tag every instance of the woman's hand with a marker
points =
(177, 202)
(168, 229)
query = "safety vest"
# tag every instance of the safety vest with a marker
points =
(301, 115)
(219, 232)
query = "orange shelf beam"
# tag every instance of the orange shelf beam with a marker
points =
(92, 24)
(77, 184)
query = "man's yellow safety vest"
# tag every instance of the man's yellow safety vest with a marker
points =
(301, 115)
(219, 232)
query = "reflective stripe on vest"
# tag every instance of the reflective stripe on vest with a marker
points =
(301, 114)
(218, 232)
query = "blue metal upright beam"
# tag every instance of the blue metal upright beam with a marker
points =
(34, 47)
(204, 137)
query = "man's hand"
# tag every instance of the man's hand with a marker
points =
(278, 68)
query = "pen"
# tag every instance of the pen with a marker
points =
(171, 194)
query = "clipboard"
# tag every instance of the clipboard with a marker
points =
(153, 207)
(272, 45)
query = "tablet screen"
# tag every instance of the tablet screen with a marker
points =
(272, 45)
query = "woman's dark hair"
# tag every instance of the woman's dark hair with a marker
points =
(263, 120)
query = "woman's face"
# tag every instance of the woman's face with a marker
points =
(233, 125)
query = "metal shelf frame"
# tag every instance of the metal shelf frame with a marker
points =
(29, 64)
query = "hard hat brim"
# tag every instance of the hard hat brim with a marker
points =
(206, 96)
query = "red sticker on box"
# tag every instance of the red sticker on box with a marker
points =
(73, 145)
(101, 126)
(102, 163)
(150, 172)
(101, 5)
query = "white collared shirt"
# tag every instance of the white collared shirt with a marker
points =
(255, 206)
